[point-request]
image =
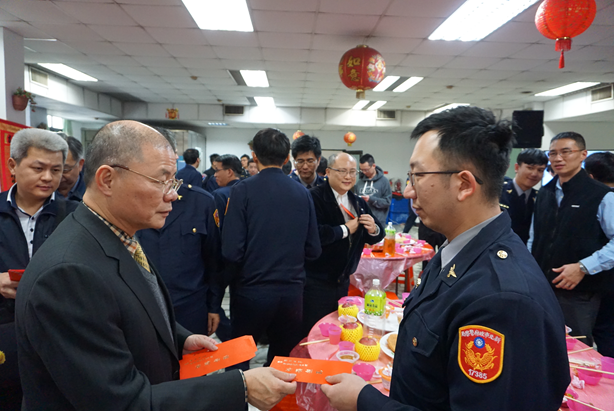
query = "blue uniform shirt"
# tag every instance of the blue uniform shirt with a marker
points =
(221, 196)
(190, 176)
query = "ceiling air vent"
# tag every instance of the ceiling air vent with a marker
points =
(39, 77)
(386, 115)
(602, 93)
(233, 110)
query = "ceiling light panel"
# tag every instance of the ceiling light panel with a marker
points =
(68, 71)
(412, 81)
(573, 87)
(229, 15)
(476, 19)
(265, 102)
(360, 104)
(386, 83)
(255, 78)
(377, 105)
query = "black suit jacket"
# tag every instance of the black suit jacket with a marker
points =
(92, 337)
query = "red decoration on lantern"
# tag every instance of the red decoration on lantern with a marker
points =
(349, 138)
(297, 134)
(564, 19)
(362, 68)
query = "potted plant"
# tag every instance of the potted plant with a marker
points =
(21, 99)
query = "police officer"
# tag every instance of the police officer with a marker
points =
(72, 184)
(483, 331)
(518, 195)
(269, 231)
(307, 152)
(189, 173)
(227, 176)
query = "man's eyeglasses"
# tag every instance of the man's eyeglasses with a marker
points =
(302, 162)
(68, 169)
(219, 170)
(412, 175)
(344, 172)
(564, 153)
(168, 186)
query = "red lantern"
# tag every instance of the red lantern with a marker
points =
(564, 19)
(349, 138)
(297, 134)
(362, 68)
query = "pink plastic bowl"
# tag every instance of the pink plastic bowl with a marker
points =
(571, 343)
(346, 345)
(590, 377)
(364, 370)
(324, 328)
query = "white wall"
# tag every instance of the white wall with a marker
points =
(598, 135)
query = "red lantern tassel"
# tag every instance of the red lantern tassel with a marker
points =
(562, 60)
(562, 45)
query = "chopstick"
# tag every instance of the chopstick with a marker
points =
(374, 381)
(395, 304)
(314, 342)
(583, 403)
(568, 337)
(579, 351)
(595, 370)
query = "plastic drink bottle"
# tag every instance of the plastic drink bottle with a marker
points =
(375, 307)
(389, 241)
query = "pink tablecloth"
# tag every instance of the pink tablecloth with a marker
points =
(385, 269)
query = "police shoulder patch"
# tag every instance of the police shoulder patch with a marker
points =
(480, 353)
(216, 217)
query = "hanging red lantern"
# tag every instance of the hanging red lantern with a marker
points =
(563, 19)
(362, 68)
(349, 138)
(298, 134)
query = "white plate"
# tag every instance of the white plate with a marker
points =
(392, 322)
(383, 343)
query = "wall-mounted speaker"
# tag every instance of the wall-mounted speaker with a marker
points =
(528, 128)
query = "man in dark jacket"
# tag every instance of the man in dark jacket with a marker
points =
(72, 185)
(483, 328)
(189, 173)
(29, 212)
(226, 176)
(209, 183)
(345, 224)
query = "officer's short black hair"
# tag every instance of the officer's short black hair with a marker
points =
(245, 156)
(472, 136)
(306, 144)
(213, 157)
(190, 156)
(271, 147)
(601, 166)
(75, 147)
(532, 156)
(251, 160)
(287, 168)
(368, 158)
(322, 167)
(579, 139)
(231, 162)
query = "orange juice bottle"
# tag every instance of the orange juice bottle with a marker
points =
(389, 242)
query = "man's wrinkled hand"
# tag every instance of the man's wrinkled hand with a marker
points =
(343, 390)
(368, 222)
(266, 386)
(570, 276)
(8, 288)
(197, 342)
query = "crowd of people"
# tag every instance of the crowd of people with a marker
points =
(127, 262)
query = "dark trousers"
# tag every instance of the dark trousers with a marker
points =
(279, 314)
(224, 332)
(320, 299)
(580, 312)
(10, 385)
(603, 333)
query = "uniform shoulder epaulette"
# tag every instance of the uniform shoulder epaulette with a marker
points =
(198, 189)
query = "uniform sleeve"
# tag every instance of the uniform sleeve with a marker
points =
(220, 205)
(234, 232)
(212, 253)
(313, 248)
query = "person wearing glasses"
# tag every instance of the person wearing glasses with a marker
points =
(374, 187)
(307, 152)
(345, 224)
(29, 212)
(72, 185)
(228, 175)
(95, 323)
(483, 330)
(572, 237)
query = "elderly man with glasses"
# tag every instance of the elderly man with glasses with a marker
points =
(572, 237)
(95, 323)
(345, 224)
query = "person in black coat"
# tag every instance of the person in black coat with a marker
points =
(343, 230)
(189, 173)
(483, 330)
(72, 185)
(518, 195)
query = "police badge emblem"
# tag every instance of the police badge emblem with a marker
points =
(480, 353)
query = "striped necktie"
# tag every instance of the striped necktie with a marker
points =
(140, 258)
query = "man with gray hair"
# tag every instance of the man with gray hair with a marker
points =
(95, 323)
(72, 184)
(29, 212)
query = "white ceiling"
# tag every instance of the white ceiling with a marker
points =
(149, 49)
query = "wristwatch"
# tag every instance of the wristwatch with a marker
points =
(583, 268)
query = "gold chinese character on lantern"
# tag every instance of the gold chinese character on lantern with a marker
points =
(353, 61)
(354, 75)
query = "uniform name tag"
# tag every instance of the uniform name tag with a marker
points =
(480, 353)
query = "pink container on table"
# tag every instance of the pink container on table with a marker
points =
(324, 328)
(367, 252)
(364, 371)
(607, 364)
(590, 377)
(334, 334)
(346, 345)
(571, 343)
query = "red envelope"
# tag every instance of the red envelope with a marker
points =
(227, 354)
(15, 275)
(311, 370)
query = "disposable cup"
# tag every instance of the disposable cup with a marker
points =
(324, 328)
(364, 370)
(334, 334)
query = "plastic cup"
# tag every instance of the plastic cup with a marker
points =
(346, 345)
(334, 334)
(386, 374)
(590, 377)
(364, 371)
(347, 356)
(324, 328)
(344, 319)
(571, 343)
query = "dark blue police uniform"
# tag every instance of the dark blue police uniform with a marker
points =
(221, 196)
(269, 231)
(14, 255)
(519, 209)
(319, 180)
(186, 253)
(190, 176)
(210, 184)
(491, 284)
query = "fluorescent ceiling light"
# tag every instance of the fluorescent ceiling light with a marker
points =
(567, 89)
(40, 40)
(231, 15)
(217, 124)
(476, 19)
(386, 83)
(265, 102)
(377, 105)
(255, 78)
(412, 81)
(68, 72)
(361, 104)
(450, 106)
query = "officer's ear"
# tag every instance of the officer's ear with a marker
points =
(467, 185)
(516, 166)
(105, 179)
